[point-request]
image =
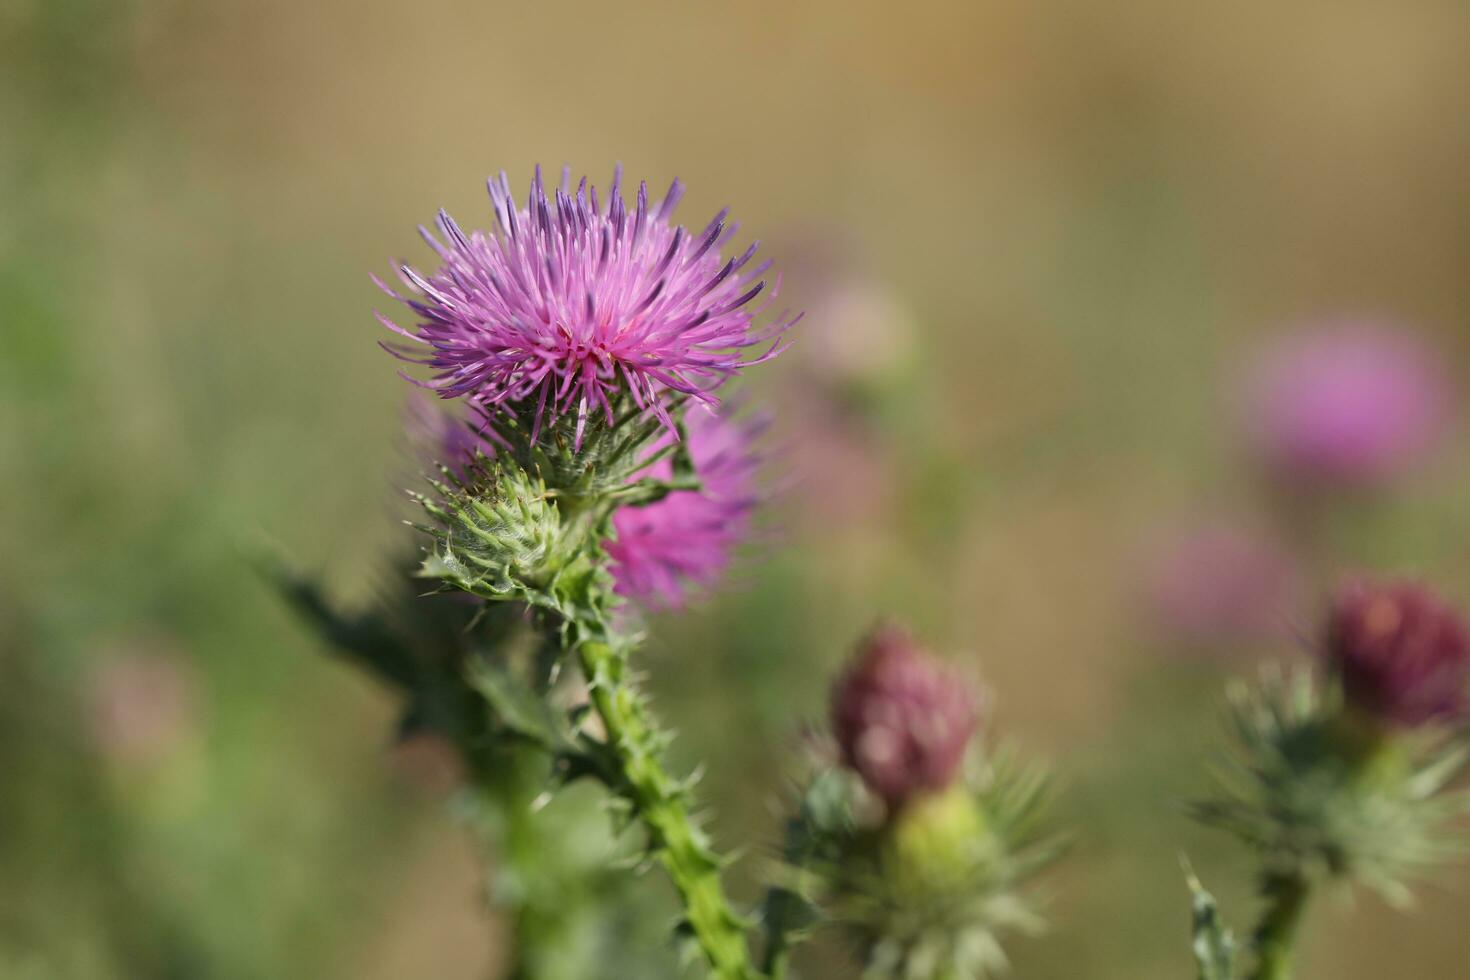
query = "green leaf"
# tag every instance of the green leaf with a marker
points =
(522, 710)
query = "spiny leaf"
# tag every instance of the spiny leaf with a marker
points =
(521, 709)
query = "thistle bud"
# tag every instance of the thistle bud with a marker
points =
(902, 720)
(1402, 654)
(501, 536)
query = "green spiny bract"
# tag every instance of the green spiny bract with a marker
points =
(530, 522)
(589, 458)
(500, 535)
(1321, 791)
(929, 893)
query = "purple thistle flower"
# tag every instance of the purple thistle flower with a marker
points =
(669, 549)
(902, 720)
(1353, 404)
(570, 301)
(1402, 654)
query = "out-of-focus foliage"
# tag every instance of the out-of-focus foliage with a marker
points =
(559, 875)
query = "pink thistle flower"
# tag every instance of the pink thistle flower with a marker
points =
(1402, 654)
(668, 550)
(902, 719)
(1353, 404)
(569, 302)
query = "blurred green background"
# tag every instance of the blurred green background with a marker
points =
(1034, 240)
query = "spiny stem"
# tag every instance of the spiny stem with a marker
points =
(658, 803)
(1275, 935)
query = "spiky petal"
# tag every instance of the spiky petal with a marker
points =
(569, 302)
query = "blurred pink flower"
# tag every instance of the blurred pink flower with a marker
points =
(857, 332)
(841, 470)
(1218, 584)
(142, 702)
(438, 434)
(667, 550)
(859, 341)
(1352, 403)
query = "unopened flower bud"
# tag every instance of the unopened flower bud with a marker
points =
(903, 721)
(1402, 654)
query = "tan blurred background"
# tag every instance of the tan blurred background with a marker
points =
(1035, 240)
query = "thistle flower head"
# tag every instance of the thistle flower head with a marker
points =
(1402, 654)
(572, 301)
(1353, 404)
(667, 550)
(902, 720)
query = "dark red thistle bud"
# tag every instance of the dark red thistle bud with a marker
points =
(1402, 654)
(902, 720)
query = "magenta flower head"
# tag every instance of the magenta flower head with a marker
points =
(571, 300)
(902, 720)
(1402, 654)
(1353, 404)
(666, 551)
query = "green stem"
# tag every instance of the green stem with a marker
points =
(1275, 935)
(659, 803)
